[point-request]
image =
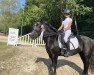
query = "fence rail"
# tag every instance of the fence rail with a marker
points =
(26, 40)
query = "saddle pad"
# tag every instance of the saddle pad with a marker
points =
(74, 44)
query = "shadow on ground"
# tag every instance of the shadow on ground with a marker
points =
(61, 63)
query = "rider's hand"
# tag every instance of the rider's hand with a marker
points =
(58, 29)
(65, 29)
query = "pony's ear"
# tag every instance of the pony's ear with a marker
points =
(33, 22)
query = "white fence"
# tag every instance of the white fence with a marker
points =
(26, 40)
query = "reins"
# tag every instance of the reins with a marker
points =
(50, 34)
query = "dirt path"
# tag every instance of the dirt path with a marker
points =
(34, 61)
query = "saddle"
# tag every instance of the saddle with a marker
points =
(71, 36)
(72, 41)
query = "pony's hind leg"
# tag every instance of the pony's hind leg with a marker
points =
(85, 60)
(91, 68)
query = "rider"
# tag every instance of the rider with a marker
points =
(66, 26)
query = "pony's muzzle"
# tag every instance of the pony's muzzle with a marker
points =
(33, 34)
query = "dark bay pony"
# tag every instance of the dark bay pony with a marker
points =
(50, 37)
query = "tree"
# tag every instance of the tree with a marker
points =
(33, 12)
(52, 10)
(9, 14)
(86, 22)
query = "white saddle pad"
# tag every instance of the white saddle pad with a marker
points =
(74, 44)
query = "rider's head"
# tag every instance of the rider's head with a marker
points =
(66, 12)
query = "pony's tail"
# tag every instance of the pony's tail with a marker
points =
(91, 67)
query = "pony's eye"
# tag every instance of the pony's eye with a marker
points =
(37, 24)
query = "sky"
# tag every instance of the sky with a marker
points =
(22, 2)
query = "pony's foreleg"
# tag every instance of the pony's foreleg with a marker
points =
(52, 69)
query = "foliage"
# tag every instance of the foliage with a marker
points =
(86, 22)
(52, 10)
(33, 11)
(10, 17)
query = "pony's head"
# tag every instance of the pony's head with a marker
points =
(40, 27)
(36, 30)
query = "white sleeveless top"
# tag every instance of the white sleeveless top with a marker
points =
(66, 21)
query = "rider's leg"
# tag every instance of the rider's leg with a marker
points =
(67, 52)
(62, 41)
(66, 35)
(64, 48)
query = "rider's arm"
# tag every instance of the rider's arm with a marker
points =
(68, 26)
(61, 27)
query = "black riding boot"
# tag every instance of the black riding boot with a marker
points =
(67, 52)
(63, 50)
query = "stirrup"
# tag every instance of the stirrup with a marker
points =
(67, 54)
(64, 48)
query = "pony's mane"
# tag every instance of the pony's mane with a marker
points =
(50, 26)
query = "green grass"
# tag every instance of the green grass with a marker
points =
(3, 45)
(7, 52)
